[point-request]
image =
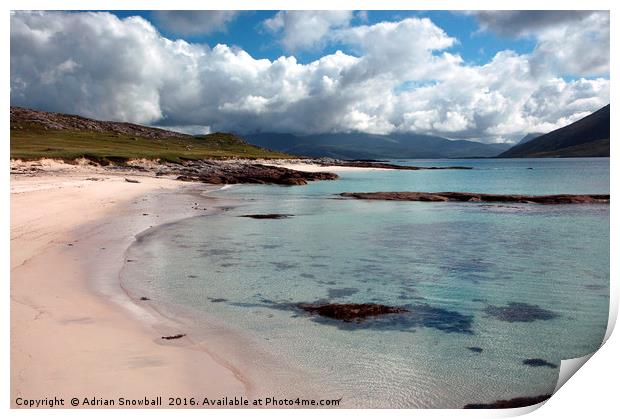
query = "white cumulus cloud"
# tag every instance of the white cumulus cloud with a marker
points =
(403, 77)
(572, 42)
(302, 29)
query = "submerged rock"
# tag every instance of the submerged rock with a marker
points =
(478, 197)
(350, 312)
(537, 362)
(519, 312)
(351, 316)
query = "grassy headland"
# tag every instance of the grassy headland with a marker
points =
(36, 135)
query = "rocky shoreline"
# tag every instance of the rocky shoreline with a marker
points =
(234, 171)
(478, 197)
(211, 171)
(224, 172)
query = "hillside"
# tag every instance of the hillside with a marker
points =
(369, 146)
(588, 137)
(529, 137)
(36, 134)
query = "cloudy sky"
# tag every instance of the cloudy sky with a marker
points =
(487, 76)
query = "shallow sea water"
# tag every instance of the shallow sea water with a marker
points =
(486, 286)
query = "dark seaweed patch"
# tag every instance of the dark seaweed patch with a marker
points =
(351, 312)
(537, 362)
(267, 216)
(419, 315)
(520, 312)
(217, 300)
(179, 336)
(441, 319)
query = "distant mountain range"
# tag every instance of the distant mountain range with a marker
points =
(588, 137)
(370, 146)
(47, 134)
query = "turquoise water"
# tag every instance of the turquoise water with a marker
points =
(516, 281)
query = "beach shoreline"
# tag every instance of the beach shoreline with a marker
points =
(87, 321)
(70, 228)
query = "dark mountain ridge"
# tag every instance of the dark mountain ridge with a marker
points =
(587, 137)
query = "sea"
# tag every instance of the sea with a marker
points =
(497, 294)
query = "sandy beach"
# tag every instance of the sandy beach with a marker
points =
(313, 168)
(74, 332)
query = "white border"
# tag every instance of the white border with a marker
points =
(591, 393)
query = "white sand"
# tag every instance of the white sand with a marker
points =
(73, 331)
(311, 167)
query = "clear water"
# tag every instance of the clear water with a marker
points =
(453, 265)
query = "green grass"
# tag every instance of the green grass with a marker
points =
(32, 142)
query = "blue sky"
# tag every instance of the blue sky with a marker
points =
(248, 33)
(490, 76)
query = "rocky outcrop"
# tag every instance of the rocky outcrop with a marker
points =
(350, 312)
(222, 172)
(478, 197)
